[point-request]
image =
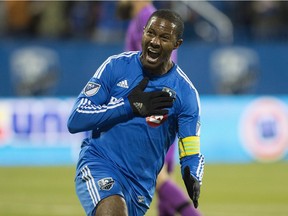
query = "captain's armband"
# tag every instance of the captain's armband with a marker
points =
(189, 146)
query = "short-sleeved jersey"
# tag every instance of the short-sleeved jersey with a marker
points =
(135, 146)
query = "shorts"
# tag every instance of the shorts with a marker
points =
(96, 182)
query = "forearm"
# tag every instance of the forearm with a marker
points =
(192, 166)
(88, 116)
(189, 155)
(196, 165)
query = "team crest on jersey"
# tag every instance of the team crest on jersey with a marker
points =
(156, 120)
(106, 183)
(140, 199)
(91, 89)
(170, 91)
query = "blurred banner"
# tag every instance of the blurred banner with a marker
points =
(244, 128)
(62, 68)
(235, 129)
(34, 132)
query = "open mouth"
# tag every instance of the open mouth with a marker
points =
(152, 55)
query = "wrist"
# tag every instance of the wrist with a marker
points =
(128, 108)
(196, 165)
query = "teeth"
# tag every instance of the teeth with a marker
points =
(153, 54)
(153, 51)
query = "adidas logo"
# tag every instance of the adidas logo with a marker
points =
(138, 106)
(123, 84)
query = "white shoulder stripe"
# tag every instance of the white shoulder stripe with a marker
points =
(185, 77)
(100, 70)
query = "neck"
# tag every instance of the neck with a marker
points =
(160, 71)
(167, 67)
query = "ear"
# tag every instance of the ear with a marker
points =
(178, 43)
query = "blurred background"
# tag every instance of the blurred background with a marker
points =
(235, 53)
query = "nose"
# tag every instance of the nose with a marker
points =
(155, 41)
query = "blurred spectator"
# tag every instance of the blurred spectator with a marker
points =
(194, 25)
(96, 20)
(109, 29)
(2, 18)
(259, 20)
(52, 19)
(19, 18)
(83, 17)
(268, 19)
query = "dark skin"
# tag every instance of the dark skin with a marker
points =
(112, 206)
(158, 42)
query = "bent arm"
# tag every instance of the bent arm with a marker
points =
(95, 107)
(87, 115)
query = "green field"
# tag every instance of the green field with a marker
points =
(228, 190)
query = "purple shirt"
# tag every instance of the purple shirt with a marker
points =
(135, 30)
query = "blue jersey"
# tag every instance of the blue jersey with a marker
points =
(136, 146)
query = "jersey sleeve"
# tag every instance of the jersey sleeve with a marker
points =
(94, 107)
(189, 124)
(189, 115)
(189, 136)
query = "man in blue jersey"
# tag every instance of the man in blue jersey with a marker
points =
(171, 198)
(135, 104)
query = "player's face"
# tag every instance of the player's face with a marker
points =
(158, 42)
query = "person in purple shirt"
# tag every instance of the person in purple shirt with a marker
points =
(171, 198)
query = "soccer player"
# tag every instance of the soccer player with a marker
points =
(171, 199)
(135, 104)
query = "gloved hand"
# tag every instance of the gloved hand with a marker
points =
(192, 186)
(149, 103)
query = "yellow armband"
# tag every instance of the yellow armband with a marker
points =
(189, 146)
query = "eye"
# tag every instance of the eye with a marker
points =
(149, 32)
(166, 38)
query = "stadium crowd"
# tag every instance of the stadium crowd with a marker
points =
(97, 20)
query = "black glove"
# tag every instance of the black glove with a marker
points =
(192, 186)
(149, 103)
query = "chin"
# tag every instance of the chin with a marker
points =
(151, 66)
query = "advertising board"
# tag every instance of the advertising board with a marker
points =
(234, 129)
